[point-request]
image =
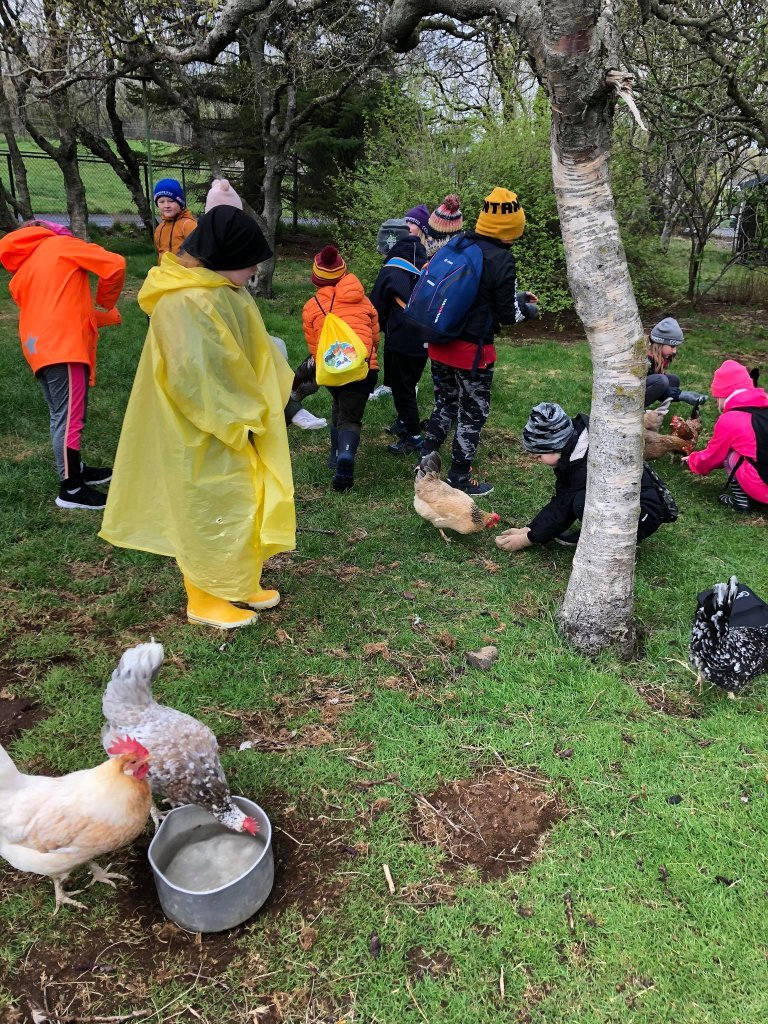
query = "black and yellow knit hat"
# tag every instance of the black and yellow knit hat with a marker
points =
(328, 267)
(502, 216)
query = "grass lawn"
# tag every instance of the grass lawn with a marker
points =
(639, 908)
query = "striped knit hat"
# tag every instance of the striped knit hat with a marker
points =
(328, 267)
(446, 220)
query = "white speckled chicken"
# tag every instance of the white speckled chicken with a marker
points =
(724, 653)
(185, 753)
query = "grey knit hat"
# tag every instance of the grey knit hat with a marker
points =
(668, 332)
(548, 429)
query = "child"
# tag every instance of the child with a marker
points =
(344, 293)
(444, 222)
(221, 193)
(58, 327)
(462, 370)
(404, 350)
(739, 443)
(664, 340)
(563, 444)
(176, 223)
(203, 471)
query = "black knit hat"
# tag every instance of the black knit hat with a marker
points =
(227, 239)
(548, 429)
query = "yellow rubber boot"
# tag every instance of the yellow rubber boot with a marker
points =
(207, 610)
(262, 599)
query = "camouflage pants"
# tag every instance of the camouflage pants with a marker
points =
(461, 399)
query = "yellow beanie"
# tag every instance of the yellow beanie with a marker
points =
(502, 216)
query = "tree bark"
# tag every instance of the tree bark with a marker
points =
(269, 218)
(20, 203)
(572, 45)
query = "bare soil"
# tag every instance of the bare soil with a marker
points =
(17, 714)
(496, 822)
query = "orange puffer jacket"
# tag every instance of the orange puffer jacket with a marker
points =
(170, 235)
(351, 305)
(57, 319)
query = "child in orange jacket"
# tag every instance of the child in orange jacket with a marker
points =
(176, 222)
(345, 294)
(59, 338)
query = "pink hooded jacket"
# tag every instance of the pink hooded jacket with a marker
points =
(733, 433)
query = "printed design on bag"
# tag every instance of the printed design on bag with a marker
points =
(340, 355)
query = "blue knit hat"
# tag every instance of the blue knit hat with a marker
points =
(169, 188)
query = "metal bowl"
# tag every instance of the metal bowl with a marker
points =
(213, 910)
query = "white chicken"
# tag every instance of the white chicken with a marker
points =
(50, 826)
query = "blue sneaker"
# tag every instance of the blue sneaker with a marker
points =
(406, 445)
(467, 483)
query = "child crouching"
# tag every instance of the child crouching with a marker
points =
(342, 293)
(563, 444)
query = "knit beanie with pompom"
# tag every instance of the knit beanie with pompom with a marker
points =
(446, 220)
(328, 267)
(221, 193)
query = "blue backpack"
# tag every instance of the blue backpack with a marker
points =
(446, 290)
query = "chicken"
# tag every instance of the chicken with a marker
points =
(185, 754)
(727, 655)
(51, 826)
(689, 429)
(658, 445)
(444, 506)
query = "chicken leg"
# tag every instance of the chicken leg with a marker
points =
(62, 897)
(104, 875)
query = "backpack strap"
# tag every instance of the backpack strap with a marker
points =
(330, 310)
(402, 264)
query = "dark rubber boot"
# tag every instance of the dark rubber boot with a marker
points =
(345, 463)
(334, 448)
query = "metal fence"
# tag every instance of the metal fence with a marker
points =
(109, 201)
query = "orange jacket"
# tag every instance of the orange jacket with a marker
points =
(350, 303)
(170, 234)
(57, 319)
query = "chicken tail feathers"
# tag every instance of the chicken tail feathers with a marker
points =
(430, 463)
(131, 684)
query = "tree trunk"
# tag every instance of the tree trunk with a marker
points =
(598, 608)
(670, 223)
(74, 190)
(20, 201)
(694, 265)
(268, 220)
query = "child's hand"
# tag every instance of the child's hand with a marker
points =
(513, 540)
(532, 297)
(685, 459)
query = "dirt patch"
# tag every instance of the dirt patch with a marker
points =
(668, 702)
(16, 715)
(495, 822)
(101, 968)
(428, 965)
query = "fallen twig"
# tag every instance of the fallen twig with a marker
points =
(388, 876)
(569, 912)
(311, 529)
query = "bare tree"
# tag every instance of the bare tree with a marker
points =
(573, 46)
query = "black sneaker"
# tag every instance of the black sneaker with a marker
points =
(397, 429)
(569, 540)
(741, 505)
(93, 476)
(80, 497)
(406, 445)
(468, 484)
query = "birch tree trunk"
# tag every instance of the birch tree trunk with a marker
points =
(573, 46)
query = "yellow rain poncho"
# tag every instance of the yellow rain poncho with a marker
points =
(203, 470)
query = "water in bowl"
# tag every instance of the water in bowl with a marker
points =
(208, 857)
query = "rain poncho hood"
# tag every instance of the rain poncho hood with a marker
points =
(203, 470)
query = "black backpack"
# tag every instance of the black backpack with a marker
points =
(669, 506)
(760, 426)
(748, 608)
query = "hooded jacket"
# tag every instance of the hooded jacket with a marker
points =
(390, 293)
(171, 234)
(203, 470)
(351, 305)
(734, 432)
(57, 319)
(570, 495)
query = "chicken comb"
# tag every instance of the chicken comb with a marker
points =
(128, 745)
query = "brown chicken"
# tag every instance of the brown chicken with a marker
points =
(688, 430)
(658, 445)
(653, 418)
(52, 826)
(445, 507)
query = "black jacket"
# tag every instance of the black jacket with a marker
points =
(567, 503)
(391, 284)
(497, 301)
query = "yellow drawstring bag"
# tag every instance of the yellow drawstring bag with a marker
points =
(341, 356)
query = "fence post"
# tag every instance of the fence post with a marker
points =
(11, 179)
(183, 181)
